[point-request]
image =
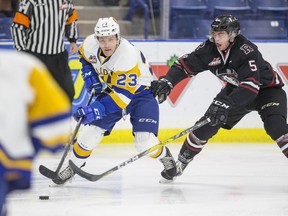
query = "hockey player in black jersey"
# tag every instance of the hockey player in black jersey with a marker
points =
(252, 85)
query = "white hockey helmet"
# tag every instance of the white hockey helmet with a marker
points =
(107, 26)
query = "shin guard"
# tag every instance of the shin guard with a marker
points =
(191, 147)
(282, 142)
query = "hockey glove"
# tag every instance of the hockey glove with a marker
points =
(94, 111)
(161, 88)
(218, 111)
(91, 79)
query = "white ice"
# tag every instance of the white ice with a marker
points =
(224, 179)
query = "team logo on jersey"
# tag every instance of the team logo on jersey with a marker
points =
(64, 5)
(229, 75)
(92, 59)
(22, 5)
(246, 49)
(215, 61)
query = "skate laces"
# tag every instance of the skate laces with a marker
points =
(179, 167)
(168, 162)
(66, 173)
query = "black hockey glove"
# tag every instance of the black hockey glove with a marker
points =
(218, 111)
(161, 88)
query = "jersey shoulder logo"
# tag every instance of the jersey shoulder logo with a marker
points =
(22, 5)
(215, 61)
(92, 59)
(246, 49)
(64, 5)
(201, 45)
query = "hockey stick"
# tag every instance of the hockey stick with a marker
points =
(94, 177)
(53, 174)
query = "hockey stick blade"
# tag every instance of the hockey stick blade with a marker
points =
(53, 174)
(47, 172)
(95, 177)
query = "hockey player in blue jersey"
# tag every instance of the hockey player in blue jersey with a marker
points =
(112, 63)
(36, 116)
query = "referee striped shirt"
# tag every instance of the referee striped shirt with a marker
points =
(40, 26)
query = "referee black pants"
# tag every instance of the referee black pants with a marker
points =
(58, 66)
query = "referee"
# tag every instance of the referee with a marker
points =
(39, 28)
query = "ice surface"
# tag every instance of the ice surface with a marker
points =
(225, 179)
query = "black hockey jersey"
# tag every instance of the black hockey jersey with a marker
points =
(242, 67)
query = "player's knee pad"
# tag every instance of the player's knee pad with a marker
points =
(89, 137)
(145, 140)
(275, 126)
(191, 147)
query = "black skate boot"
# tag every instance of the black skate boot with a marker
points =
(188, 152)
(65, 175)
(170, 170)
(181, 166)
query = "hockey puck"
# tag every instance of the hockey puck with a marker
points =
(44, 197)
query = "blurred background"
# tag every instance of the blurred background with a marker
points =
(172, 19)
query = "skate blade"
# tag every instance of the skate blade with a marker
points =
(166, 181)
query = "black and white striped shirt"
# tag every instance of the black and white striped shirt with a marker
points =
(40, 26)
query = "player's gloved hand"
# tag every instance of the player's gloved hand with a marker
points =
(91, 79)
(218, 111)
(161, 88)
(90, 113)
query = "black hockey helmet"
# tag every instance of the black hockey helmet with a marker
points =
(226, 23)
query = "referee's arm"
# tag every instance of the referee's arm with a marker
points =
(71, 31)
(21, 23)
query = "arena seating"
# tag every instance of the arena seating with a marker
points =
(197, 8)
(5, 23)
(201, 28)
(267, 9)
(181, 26)
(238, 8)
(264, 29)
(260, 19)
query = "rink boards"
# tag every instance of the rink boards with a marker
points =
(188, 101)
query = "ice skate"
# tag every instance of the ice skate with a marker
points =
(169, 172)
(65, 175)
(180, 167)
